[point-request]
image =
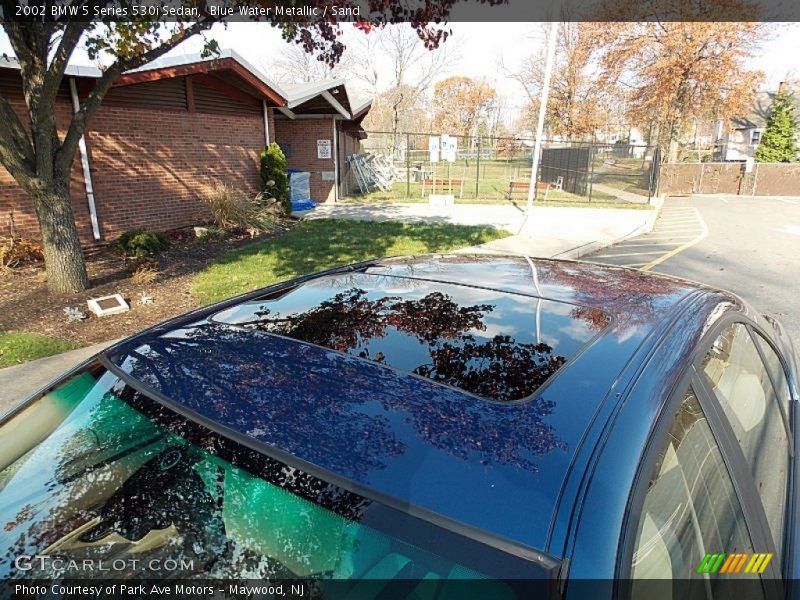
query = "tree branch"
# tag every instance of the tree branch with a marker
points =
(58, 65)
(16, 151)
(29, 42)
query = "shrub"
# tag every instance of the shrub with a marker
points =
(234, 209)
(141, 244)
(209, 233)
(144, 275)
(274, 177)
(14, 250)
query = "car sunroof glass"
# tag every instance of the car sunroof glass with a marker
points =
(496, 345)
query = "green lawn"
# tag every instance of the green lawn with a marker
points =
(554, 198)
(16, 347)
(322, 244)
(493, 177)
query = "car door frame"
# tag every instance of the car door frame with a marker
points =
(787, 363)
(738, 469)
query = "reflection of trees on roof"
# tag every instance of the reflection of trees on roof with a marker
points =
(595, 318)
(321, 406)
(350, 318)
(636, 298)
(500, 368)
(257, 388)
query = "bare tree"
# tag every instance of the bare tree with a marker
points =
(364, 55)
(495, 119)
(295, 65)
(412, 64)
(398, 68)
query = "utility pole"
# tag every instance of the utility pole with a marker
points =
(395, 124)
(548, 72)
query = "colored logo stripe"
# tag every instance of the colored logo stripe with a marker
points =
(711, 563)
(734, 563)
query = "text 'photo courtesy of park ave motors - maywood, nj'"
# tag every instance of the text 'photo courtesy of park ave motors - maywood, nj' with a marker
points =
(377, 299)
(166, 589)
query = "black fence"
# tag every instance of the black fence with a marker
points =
(568, 168)
(410, 167)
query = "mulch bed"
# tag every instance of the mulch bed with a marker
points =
(26, 305)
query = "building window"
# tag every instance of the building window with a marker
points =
(755, 136)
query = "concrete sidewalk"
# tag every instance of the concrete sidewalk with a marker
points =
(20, 381)
(549, 232)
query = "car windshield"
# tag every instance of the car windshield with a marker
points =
(95, 470)
(497, 345)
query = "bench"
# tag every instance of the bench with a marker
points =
(443, 186)
(542, 188)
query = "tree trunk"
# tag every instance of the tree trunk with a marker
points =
(673, 150)
(63, 256)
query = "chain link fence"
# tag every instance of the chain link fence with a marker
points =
(411, 167)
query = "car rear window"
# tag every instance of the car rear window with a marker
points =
(497, 345)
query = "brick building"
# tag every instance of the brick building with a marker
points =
(319, 114)
(167, 132)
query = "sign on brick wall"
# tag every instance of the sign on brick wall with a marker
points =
(324, 149)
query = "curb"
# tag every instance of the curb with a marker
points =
(590, 247)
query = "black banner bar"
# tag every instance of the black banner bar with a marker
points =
(394, 11)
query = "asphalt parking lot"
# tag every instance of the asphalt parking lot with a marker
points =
(750, 246)
(677, 228)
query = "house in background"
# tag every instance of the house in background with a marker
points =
(739, 140)
(169, 131)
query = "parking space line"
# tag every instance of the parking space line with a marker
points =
(670, 241)
(701, 236)
(675, 231)
(625, 245)
(672, 238)
(686, 225)
(628, 254)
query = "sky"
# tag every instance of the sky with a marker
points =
(481, 48)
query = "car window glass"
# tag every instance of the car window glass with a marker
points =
(96, 473)
(690, 509)
(742, 385)
(778, 374)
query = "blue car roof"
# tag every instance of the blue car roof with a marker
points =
(452, 445)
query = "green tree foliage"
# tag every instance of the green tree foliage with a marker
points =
(274, 178)
(779, 143)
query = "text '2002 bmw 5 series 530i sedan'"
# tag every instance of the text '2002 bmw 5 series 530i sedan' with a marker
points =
(403, 426)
